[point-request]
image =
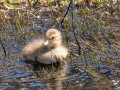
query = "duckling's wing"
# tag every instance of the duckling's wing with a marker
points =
(30, 50)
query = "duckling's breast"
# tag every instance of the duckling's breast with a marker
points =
(61, 52)
(53, 55)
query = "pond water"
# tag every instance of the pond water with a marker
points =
(77, 74)
(15, 74)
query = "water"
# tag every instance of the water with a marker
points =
(18, 75)
(96, 72)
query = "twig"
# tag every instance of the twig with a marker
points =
(74, 33)
(64, 18)
(3, 48)
(66, 13)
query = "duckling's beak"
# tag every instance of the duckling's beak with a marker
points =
(46, 42)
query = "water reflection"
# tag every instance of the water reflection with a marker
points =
(49, 75)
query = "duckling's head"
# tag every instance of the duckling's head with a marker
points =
(54, 38)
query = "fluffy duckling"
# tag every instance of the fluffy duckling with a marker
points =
(46, 51)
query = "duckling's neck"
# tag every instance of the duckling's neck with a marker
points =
(57, 45)
(54, 46)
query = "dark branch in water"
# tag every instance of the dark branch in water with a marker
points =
(66, 13)
(74, 33)
(64, 18)
(71, 2)
(3, 48)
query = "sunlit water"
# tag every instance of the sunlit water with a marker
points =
(15, 74)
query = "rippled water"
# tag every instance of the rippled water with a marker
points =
(19, 75)
(16, 74)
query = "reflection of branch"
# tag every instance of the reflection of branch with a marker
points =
(3, 47)
(74, 33)
(66, 13)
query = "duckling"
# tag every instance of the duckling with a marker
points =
(31, 49)
(46, 51)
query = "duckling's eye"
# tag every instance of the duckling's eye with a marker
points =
(52, 38)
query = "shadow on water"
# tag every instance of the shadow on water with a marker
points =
(50, 75)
